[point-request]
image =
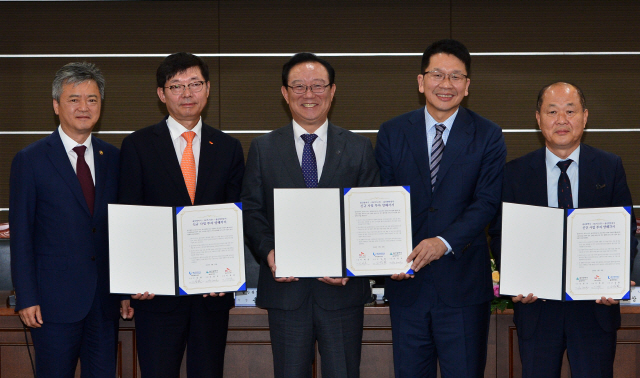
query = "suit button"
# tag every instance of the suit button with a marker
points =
(431, 209)
(94, 230)
(93, 258)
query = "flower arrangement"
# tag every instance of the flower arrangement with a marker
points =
(498, 302)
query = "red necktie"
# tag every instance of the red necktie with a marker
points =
(84, 176)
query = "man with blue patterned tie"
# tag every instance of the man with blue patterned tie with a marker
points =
(310, 152)
(565, 174)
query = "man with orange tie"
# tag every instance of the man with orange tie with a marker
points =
(181, 162)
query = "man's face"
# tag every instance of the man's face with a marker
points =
(187, 106)
(444, 97)
(310, 109)
(78, 109)
(562, 119)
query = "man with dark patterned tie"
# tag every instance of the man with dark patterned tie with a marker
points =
(310, 152)
(565, 174)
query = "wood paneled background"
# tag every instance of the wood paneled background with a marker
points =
(245, 93)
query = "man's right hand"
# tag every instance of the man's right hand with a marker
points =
(528, 299)
(31, 316)
(271, 261)
(401, 276)
(143, 297)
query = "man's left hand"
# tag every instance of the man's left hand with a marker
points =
(610, 301)
(427, 251)
(126, 311)
(334, 281)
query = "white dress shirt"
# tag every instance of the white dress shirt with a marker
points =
(319, 145)
(69, 144)
(553, 174)
(179, 143)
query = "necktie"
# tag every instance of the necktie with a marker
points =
(565, 199)
(188, 165)
(84, 176)
(309, 164)
(437, 149)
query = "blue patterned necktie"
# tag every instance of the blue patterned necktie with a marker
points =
(309, 165)
(437, 149)
(565, 199)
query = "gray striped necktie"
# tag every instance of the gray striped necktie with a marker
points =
(437, 149)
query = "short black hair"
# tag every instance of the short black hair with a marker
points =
(178, 63)
(303, 58)
(583, 101)
(447, 46)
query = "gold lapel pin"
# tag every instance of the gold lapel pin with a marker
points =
(101, 153)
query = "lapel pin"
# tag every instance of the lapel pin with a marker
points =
(101, 153)
(338, 152)
(598, 186)
(210, 142)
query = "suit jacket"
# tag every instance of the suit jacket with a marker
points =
(273, 163)
(602, 183)
(59, 251)
(150, 174)
(465, 199)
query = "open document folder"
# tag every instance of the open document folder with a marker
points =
(176, 250)
(565, 254)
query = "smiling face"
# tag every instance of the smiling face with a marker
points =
(310, 109)
(444, 97)
(187, 107)
(562, 119)
(78, 109)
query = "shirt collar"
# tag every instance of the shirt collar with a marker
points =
(431, 122)
(321, 132)
(69, 143)
(176, 129)
(552, 160)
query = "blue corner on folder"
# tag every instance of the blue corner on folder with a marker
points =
(569, 211)
(567, 297)
(407, 188)
(349, 274)
(628, 208)
(627, 296)
(239, 204)
(346, 190)
(243, 287)
(182, 292)
(179, 209)
(410, 271)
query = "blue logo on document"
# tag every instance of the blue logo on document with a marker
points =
(196, 273)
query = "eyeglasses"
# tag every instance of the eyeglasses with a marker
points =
(437, 76)
(178, 89)
(302, 89)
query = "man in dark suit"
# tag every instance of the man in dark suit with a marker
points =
(301, 311)
(442, 311)
(181, 162)
(586, 329)
(60, 188)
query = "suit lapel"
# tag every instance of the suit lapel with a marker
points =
(288, 155)
(100, 168)
(459, 138)
(209, 149)
(60, 160)
(167, 156)
(537, 179)
(416, 136)
(587, 179)
(336, 143)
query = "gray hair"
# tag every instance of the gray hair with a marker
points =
(76, 73)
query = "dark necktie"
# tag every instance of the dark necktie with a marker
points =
(84, 176)
(565, 199)
(309, 165)
(437, 149)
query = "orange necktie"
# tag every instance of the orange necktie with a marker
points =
(188, 165)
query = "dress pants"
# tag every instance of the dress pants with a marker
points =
(590, 349)
(93, 339)
(163, 336)
(429, 330)
(294, 334)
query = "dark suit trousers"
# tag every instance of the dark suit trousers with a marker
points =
(94, 340)
(590, 349)
(429, 331)
(163, 336)
(294, 333)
